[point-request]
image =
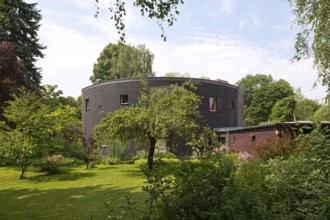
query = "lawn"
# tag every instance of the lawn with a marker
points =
(75, 193)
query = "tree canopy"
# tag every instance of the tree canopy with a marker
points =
(313, 40)
(118, 61)
(261, 92)
(19, 24)
(161, 113)
(283, 110)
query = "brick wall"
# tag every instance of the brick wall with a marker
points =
(248, 140)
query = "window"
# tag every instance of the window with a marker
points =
(231, 104)
(124, 99)
(234, 139)
(87, 104)
(223, 140)
(213, 104)
(253, 139)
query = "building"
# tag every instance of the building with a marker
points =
(222, 103)
(249, 138)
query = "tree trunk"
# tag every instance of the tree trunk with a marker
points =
(23, 169)
(151, 152)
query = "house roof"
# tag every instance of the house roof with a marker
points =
(294, 123)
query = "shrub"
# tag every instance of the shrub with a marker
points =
(277, 147)
(167, 155)
(51, 164)
(112, 160)
(195, 191)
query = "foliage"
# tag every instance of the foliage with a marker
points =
(19, 23)
(91, 151)
(204, 145)
(306, 108)
(50, 164)
(66, 124)
(177, 74)
(35, 129)
(163, 11)
(283, 110)
(313, 39)
(118, 150)
(276, 147)
(118, 61)
(322, 114)
(30, 132)
(261, 93)
(159, 114)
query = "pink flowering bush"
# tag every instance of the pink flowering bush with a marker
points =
(245, 156)
(223, 149)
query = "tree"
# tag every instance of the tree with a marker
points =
(19, 23)
(305, 108)
(160, 114)
(314, 37)
(322, 114)
(28, 136)
(283, 110)
(177, 74)
(118, 61)
(163, 11)
(261, 93)
(250, 83)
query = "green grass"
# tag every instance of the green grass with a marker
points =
(75, 193)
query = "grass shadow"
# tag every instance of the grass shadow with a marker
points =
(72, 203)
(64, 174)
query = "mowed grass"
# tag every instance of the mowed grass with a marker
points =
(74, 193)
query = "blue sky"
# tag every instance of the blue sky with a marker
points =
(221, 39)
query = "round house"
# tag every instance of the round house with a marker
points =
(222, 103)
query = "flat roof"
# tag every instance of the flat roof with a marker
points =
(179, 79)
(268, 125)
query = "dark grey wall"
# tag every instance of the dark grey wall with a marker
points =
(106, 97)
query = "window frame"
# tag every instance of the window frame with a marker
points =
(253, 139)
(214, 106)
(122, 96)
(87, 104)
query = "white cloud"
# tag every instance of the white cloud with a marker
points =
(69, 57)
(230, 60)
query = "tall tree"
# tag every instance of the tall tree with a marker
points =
(261, 93)
(313, 40)
(118, 61)
(250, 83)
(283, 110)
(160, 114)
(19, 24)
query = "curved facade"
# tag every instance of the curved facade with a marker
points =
(222, 103)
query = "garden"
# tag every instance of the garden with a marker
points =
(276, 182)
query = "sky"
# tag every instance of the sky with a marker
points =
(220, 39)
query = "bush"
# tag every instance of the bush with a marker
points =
(112, 160)
(277, 147)
(167, 155)
(194, 191)
(51, 164)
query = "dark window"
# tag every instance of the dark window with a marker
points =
(254, 139)
(124, 99)
(87, 104)
(231, 104)
(213, 104)
(234, 139)
(223, 140)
